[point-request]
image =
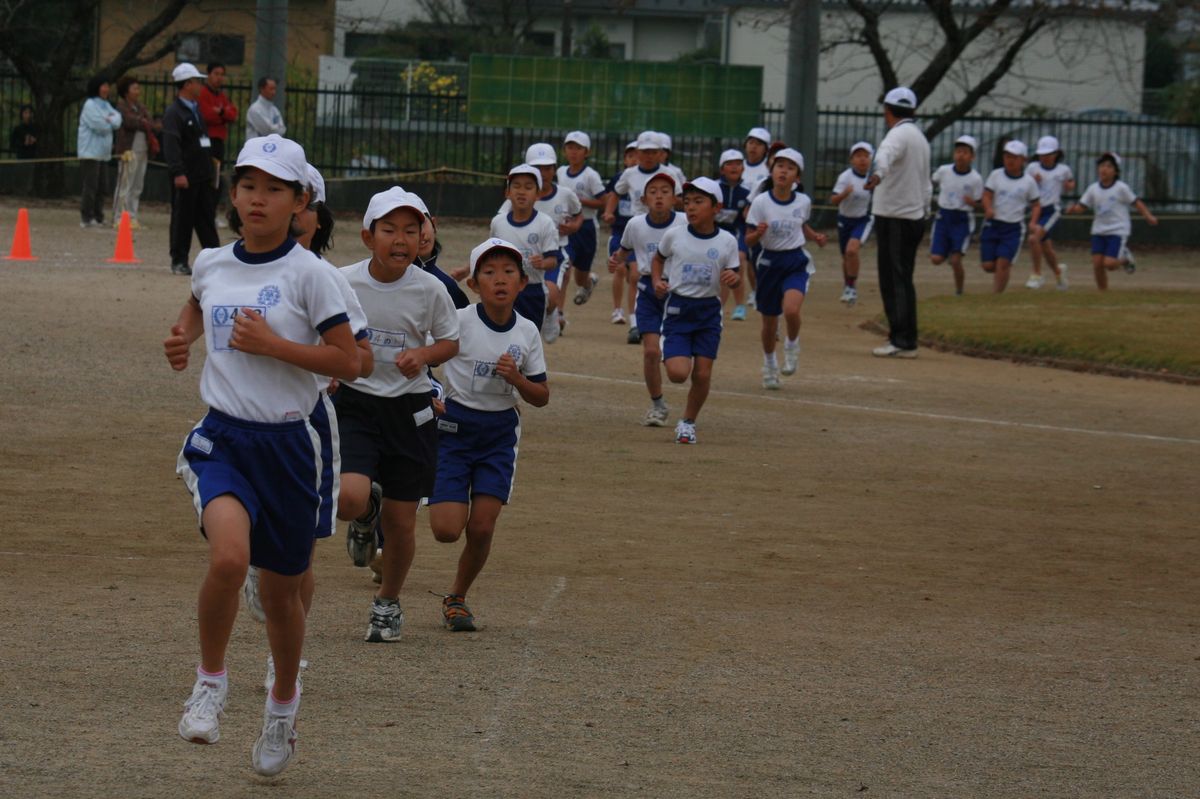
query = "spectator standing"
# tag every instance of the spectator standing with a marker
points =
(136, 145)
(186, 150)
(902, 189)
(217, 111)
(97, 121)
(262, 117)
(23, 138)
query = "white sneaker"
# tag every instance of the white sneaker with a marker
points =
(847, 293)
(201, 722)
(584, 293)
(890, 350)
(618, 316)
(852, 296)
(1127, 260)
(770, 375)
(550, 329)
(269, 680)
(386, 621)
(251, 596)
(1035, 282)
(276, 743)
(1062, 277)
(791, 359)
(685, 433)
(751, 301)
(656, 416)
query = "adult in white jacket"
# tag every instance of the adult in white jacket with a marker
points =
(94, 143)
(902, 190)
(262, 117)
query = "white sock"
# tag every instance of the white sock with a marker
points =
(769, 360)
(277, 708)
(793, 343)
(221, 679)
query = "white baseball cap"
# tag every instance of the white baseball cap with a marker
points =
(730, 155)
(901, 97)
(492, 245)
(631, 146)
(648, 140)
(762, 134)
(858, 145)
(526, 169)
(968, 140)
(1047, 145)
(1116, 159)
(278, 157)
(541, 154)
(706, 185)
(385, 202)
(1016, 147)
(580, 138)
(665, 140)
(316, 185)
(185, 71)
(793, 155)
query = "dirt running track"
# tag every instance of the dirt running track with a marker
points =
(939, 578)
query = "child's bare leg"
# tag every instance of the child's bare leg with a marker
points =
(1051, 257)
(399, 545)
(793, 300)
(1035, 251)
(448, 520)
(354, 498)
(1000, 277)
(652, 364)
(227, 526)
(698, 393)
(960, 276)
(619, 277)
(679, 368)
(481, 525)
(553, 295)
(633, 281)
(285, 628)
(770, 328)
(1100, 272)
(851, 261)
(308, 585)
(582, 278)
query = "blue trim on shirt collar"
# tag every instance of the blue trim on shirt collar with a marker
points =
(756, 163)
(239, 251)
(551, 195)
(483, 317)
(571, 174)
(515, 223)
(1011, 177)
(699, 235)
(857, 174)
(664, 225)
(954, 169)
(646, 172)
(777, 201)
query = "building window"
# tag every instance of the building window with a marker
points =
(203, 48)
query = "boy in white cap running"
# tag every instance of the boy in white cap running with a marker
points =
(755, 147)
(1007, 192)
(588, 186)
(960, 190)
(633, 180)
(1054, 178)
(735, 200)
(1110, 198)
(534, 233)
(853, 202)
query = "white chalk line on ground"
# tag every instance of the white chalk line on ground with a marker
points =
(494, 727)
(941, 417)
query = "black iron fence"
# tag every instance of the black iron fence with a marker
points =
(359, 132)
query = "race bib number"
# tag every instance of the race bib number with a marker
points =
(485, 380)
(222, 318)
(696, 274)
(386, 343)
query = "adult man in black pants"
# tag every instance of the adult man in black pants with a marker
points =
(186, 150)
(902, 190)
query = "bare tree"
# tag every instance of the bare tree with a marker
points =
(43, 40)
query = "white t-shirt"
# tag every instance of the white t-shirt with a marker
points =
(470, 377)
(754, 174)
(680, 178)
(537, 234)
(785, 220)
(1111, 206)
(633, 182)
(1010, 196)
(400, 315)
(858, 204)
(902, 164)
(642, 237)
(587, 185)
(297, 293)
(954, 186)
(693, 263)
(560, 205)
(1052, 182)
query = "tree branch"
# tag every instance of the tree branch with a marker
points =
(874, 42)
(130, 55)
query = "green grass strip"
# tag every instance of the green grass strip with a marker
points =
(1146, 330)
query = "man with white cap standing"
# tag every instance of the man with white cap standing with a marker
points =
(185, 147)
(902, 191)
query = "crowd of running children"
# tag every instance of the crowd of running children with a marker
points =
(322, 400)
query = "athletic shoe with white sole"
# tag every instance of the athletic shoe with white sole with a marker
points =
(890, 350)
(584, 293)
(276, 743)
(1127, 260)
(269, 680)
(656, 416)
(360, 535)
(618, 316)
(685, 433)
(751, 301)
(456, 616)
(634, 337)
(201, 722)
(1062, 277)
(1035, 282)
(850, 296)
(251, 596)
(739, 314)
(791, 359)
(550, 327)
(770, 375)
(386, 621)
(847, 293)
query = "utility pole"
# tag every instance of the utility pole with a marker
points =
(804, 59)
(270, 46)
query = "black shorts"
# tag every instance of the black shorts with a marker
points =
(392, 440)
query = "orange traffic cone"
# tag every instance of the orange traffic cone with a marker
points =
(20, 246)
(123, 252)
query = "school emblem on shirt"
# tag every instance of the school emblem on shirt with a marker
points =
(269, 296)
(797, 213)
(533, 238)
(515, 352)
(713, 252)
(269, 147)
(560, 209)
(484, 368)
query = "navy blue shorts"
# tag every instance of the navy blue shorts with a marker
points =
(274, 470)
(649, 308)
(581, 245)
(691, 327)
(614, 243)
(477, 454)
(392, 440)
(1048, 218)
(780, 271)
(1000, 240)
(531, 303)
(1108, 246)
(951, 232)
(331, 463)
(853, 227)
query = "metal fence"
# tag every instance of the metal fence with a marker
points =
(351, 132)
